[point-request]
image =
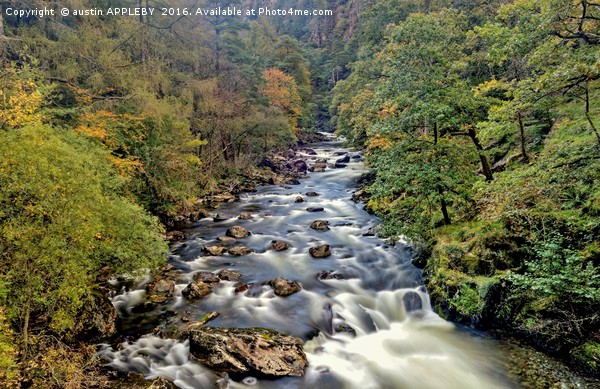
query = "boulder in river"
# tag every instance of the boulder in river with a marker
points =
(300, 166)
(321, 251)
(229, 275)
(248, 351)
(339, 165)
(331, 275)
(239, 251)
(299, 199)
(160, 290)
(283, 287)
(315, 209)
(316, 169)
(344, 159)
(312, 194)
(309, 151)
(226, 239)
(245, 216)
(219, 217)
(213, 250)
(320, 225)
(201, 286)
(237, 232)
(292, 181)
(279, 245)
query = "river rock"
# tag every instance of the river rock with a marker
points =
(175, 236)
(299, 199)
(412, 301)
(230, 275)
(343, 327)
(331, 275)
(223, 198)
(320, 225)
(371, 231)
(312, 194)
(214, 250)
(245, 216)
(201, 286)
(248, 351)
(219, 217)
(237, 232)
(309, 151)
(292, 181)
(160, 290)
(276, 180)
(242, 288)
(300, 166)
(315, 169)
(279, 245)
(283, 287)
(226, 239)
(239, 251)
(315, 209)
(321, 251)
(344, 159)
(339, 165)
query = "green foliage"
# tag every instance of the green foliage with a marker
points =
(62, 219)
(557, 272)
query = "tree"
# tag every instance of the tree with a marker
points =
(282, 92)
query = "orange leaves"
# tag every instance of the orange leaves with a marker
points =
(120, 134)
(282, 91)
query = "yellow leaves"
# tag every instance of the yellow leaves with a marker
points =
(20, 102)
(493, 85)
(379, 141)
(126, 167)
(388, 109)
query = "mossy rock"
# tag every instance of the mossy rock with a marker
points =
(587, 357)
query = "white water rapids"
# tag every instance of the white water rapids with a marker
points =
(400, 342)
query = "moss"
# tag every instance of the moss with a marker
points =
(587, 356)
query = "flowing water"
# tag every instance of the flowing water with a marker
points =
(399, 341)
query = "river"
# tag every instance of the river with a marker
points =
(399, 343)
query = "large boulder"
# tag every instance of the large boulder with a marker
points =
(299, 199)
(239, 251)
(279, 245)
(300, 166)
(215, 251)
(321, 251)
(237, 232)
(283, 287)
(202, 286)
(344, 159)
(248, 351)
(245, 216)
(230, 275)
(320, 225)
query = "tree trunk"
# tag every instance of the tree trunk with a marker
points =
(486, 167)
(447, 220)
(522, 134)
